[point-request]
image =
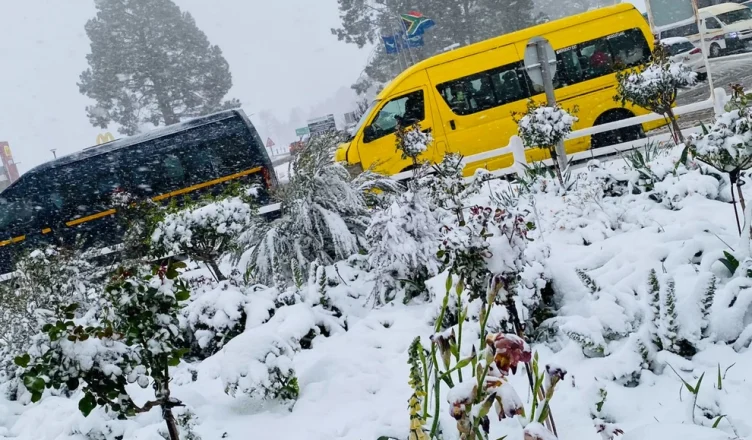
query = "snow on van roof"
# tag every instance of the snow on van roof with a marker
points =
(723, 7)
(674, 40)
(137, 139)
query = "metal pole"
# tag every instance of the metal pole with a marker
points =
(54, 154)
(701, 27)
(548, 84)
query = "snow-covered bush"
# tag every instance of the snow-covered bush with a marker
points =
(324, 216)
(402, 246)
(204, 232)
(544, 127)
(727, 144)
(131, 337)
(412, 142)
(45, 281)
(216, 314)
(654, 86)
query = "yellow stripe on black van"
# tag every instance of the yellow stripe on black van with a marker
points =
(207, 184)
(89, 218)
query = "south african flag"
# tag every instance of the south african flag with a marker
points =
(415, 23)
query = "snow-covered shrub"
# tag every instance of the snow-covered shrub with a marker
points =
(45, 281)
(654, 86)
(402, 246)
(727, 144)
(324, 216)
(216, 314)
(131, 337)
(204, 232)
(259, 362)
(412, 142)
(544, 127)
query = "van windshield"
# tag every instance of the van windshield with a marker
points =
(364, 118)
(735, 16)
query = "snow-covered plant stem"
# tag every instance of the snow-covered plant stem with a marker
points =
(472, 396)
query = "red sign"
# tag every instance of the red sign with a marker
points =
(8, 163)
(269, 143)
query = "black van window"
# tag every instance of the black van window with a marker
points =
(599, 57)
(482, 91)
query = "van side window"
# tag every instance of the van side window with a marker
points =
(406, 110)
(485, 90)
(601, 56)
(712, 23)
(681, 31)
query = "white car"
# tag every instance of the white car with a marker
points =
(682, 50)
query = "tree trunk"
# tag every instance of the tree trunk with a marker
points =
(172, 426)
(679, 137)
(214, 267)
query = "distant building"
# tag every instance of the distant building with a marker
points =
(8, 168)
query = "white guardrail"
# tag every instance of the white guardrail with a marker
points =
(517, 149)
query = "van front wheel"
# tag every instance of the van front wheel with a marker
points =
(618, 136)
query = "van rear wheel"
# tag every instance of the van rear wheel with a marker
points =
(715, 50)
(618, 136)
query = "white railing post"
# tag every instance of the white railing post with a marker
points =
(720, 101)
(518, 153)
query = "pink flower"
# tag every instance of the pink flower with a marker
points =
(509, 351)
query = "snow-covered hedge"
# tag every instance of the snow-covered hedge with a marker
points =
(544, 126)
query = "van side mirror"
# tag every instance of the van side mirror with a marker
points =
(369, 133)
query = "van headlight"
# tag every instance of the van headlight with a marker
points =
(732, 35)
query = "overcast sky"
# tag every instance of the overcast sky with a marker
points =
(281, 55)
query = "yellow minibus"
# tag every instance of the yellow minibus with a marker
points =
(467, 97)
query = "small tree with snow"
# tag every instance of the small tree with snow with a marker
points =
(544, 127)
(654, 86)
(670, 325)
(654, 299)
(707, 303)
(205, 232)
(402, 247)
(412, 142)
(132, 337)
(727, 144)
(324, 216)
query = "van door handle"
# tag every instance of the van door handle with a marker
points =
(452, 124)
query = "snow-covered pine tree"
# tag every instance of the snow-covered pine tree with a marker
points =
(655, 85)
(654, 299)
(150, 63)
(670, 321)
(324, 215)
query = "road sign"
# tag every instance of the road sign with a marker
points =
(532, 63)
(322, 125)
(300, 132)
(269, 143)
(540, 63)
(665, 12)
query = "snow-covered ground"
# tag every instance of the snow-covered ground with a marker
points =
(354, 383)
